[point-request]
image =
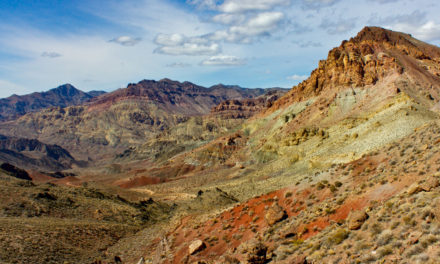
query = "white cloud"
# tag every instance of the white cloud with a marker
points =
(169, 40)
(223, 60)
(428, 31)
(415, 23)
(297, 77)
(126, 40)
(190, 49)
(239, 6)
(178, 44)
(50, 54)
(263, 24)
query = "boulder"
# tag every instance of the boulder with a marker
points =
(256, 253)
(196, 246)
(414, 189)
(356, 219)
(426, 186)
(430, 184)
(274, 214)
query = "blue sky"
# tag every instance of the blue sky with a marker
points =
(103, 45)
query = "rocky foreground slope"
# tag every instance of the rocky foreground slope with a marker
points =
(342, 169)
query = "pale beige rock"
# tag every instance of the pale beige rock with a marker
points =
(430, 184)
(196, 246)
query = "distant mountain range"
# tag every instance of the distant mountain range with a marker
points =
(96, 125)
(62, 96)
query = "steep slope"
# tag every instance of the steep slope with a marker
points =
(113, 123)
(247, 107)
(369, 57)
(62, 96)
(355, 135)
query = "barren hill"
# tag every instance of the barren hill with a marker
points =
(111, 124)
(62, 96)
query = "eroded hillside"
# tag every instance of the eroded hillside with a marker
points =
(344, 168)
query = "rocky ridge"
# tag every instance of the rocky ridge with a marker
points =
(367, 58)
(62, 96)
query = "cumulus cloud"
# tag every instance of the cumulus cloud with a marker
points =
(126, 40)
(297, 77)
(263, 24)
(190, 49)
(223, 60)
(169, 40)
(339, 26)
(178, 65)
(178, 44)
(242, 21)
(50, 54)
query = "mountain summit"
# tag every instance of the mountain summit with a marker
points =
(62, 96)
(371, 56)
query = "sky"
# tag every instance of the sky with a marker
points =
(106, 44)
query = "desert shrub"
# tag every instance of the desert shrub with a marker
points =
(337, 236)
(385, 238)
(428, 240)
(414, 250)
(384, 251)
(320, 186)
(376, 229)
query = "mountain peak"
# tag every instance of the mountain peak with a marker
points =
(61, 96)
(379, 34)
(372, 55)
(66, 90)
